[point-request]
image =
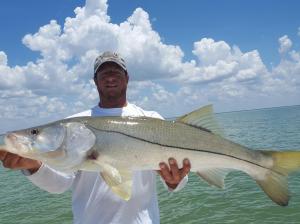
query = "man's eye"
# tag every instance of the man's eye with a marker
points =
(34, 131)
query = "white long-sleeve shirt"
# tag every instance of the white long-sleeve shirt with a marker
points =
(92, 200)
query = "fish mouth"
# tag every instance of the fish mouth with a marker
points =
(18, 144)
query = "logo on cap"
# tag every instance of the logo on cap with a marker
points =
(109, 56)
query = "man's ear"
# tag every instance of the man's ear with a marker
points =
(127, 78)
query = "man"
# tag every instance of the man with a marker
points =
(92, 200)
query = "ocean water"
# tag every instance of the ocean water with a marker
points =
(242, 201)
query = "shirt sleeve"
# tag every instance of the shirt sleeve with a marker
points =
(50, 179)
(180, 186)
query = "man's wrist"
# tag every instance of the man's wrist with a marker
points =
(171, 186)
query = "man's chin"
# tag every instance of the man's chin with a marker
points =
(112, 94)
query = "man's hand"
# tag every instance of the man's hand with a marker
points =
(16, 162)
(173, 175)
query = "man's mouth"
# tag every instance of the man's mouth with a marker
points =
(111, 86)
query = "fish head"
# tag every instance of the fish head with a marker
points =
(36, 140)
(62, 145)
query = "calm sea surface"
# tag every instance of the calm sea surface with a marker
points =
(241, 202)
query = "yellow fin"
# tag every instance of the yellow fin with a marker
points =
(202, 118)
(286, 161)
(119, 181)
(276, 187)
(275, 182)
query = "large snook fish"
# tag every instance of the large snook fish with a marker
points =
(116, 146)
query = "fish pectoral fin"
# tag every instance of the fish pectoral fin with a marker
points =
(214, 176)
(202, 118)
(119, 181)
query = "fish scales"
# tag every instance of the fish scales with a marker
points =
(177, 136)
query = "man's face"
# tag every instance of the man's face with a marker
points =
(111, 81)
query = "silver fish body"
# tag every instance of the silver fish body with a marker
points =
(116, 146)
(141, 143)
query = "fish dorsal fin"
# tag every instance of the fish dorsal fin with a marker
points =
(214, 176)
(203, 119)
(119, 181)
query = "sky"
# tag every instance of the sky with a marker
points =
(234, 54)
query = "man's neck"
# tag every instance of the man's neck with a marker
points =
(111, 104)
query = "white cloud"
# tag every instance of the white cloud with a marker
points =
(218, 61)
(210, 52)
(45, 40)
(3, 59)
(10, 78)
(60, 82)
(284, 44)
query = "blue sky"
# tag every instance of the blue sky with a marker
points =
(234, 54)
(248, 24)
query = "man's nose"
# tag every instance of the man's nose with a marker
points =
(110, 78)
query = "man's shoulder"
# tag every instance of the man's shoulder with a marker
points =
(146, 113)
(152, 113)
(82, 114)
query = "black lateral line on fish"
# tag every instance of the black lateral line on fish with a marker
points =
(190, 149)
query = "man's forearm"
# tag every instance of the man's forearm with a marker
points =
(50, 179)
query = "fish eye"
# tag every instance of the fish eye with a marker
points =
(34, 132)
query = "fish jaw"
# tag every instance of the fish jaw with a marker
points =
(19, 144)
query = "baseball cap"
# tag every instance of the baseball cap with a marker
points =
(109, 56)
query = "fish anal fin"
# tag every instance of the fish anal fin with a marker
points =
(276, 187)
(214, 176)
(203, 119)
(119, 181)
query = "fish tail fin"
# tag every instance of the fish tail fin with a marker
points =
(275, 183)
(287, 161)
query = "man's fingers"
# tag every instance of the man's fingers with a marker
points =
(174, 175)
(22, 163)
(16, 162)
(186, 167)
(2, 154)
(165, 172)
(174, 169)
(11, 160)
